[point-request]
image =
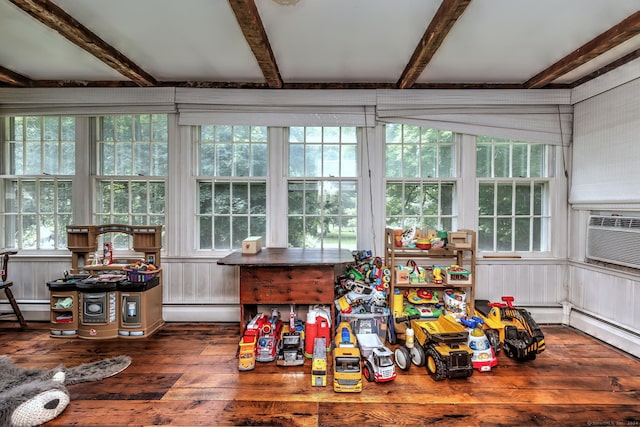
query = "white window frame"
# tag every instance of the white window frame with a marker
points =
(419, 220)
(547, 212)
(19, 176)
(231, 179)
(323, 178)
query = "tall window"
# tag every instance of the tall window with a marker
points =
(132, 169)
(39, 166)
(420, 177)
(513, 195)
(322, 187)
(232, 184)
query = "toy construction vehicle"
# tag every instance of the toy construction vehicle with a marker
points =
(439, 344)
(511, 328)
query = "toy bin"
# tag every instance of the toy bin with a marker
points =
(455, 303)
(368, 324)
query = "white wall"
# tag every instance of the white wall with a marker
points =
(605, 302)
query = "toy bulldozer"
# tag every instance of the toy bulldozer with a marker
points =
(511, 328)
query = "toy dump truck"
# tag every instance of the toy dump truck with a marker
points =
(439, 344)
(511, 328)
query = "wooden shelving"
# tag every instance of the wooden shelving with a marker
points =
(462, 253)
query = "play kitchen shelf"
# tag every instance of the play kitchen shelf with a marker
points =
(460, 250)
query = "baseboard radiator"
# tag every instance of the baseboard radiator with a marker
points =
(614, 240)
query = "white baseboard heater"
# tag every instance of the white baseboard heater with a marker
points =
(614, 239)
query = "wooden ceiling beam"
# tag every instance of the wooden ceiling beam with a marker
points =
(251, 25)
(611, 38)
(57, 19)
(442, 22)
(13, 79)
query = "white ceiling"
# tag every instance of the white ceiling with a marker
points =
(314, 41)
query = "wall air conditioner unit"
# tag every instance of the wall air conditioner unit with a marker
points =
(614, 239)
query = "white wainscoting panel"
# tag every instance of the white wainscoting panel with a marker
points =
(611, 297)
(530, 282)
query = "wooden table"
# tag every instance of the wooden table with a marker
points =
(277, 276)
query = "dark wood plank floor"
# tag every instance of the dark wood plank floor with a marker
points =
(186, 375)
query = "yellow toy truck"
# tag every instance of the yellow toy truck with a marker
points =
(347, 373)
(440, 344)
(319, 363)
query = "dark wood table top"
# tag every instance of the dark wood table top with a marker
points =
(273, 257)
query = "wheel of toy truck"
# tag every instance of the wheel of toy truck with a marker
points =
(417, 355)
(403, 358)
(435, 365)
(494, 339)
(367, 371)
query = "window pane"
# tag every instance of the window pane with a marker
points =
(205, 197)
(501, 161)
(523, 199)
(504, 199)
(522, 234)
(483, 161)
(429, 162)
(538, 164)
(239, 204)
(393, 161)
(34, 158)
(485, 234)
(206, 232)
(504, 234)
(222, 198)
(224, 160)
(312, 160)
(520, 161)
(486, 199)
(296, 160)
(206, 159)
(260, 159)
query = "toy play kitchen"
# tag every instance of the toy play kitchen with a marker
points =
(104, 297)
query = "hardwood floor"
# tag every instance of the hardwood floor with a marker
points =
(186, 375)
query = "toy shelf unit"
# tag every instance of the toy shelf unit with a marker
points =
(428, 278)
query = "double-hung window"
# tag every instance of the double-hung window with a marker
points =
(132, 153)
(420, 170)
(322, 187)
(513, 195)
(38, 167)
(232, 184)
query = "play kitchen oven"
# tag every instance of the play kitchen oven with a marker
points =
(98, 309)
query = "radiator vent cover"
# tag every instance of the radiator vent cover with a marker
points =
(614, 239)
